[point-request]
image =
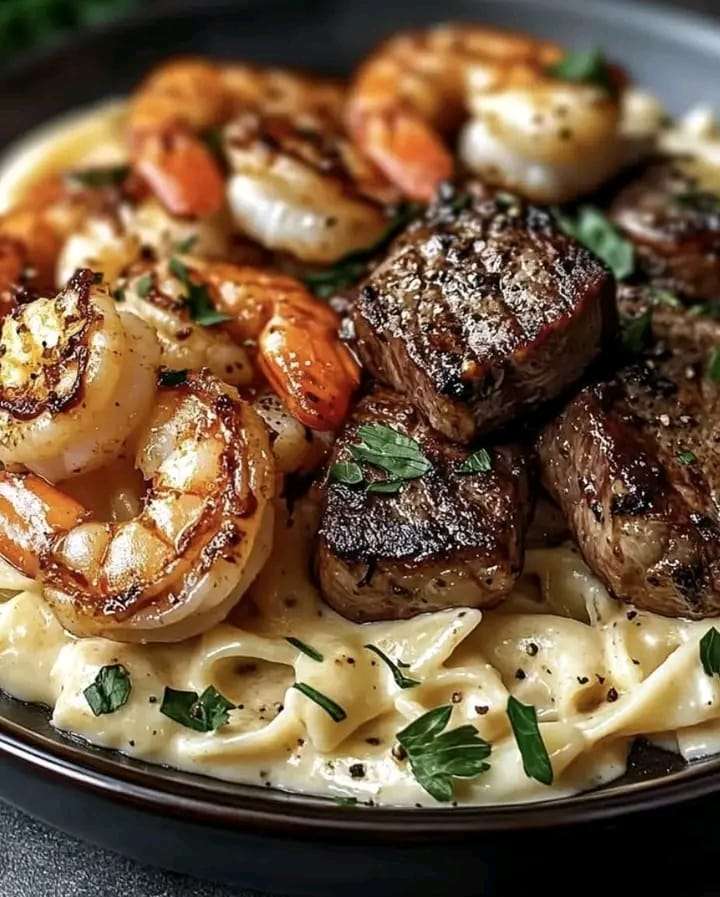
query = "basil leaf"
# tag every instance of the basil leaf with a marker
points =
(583, 67)
(102, 176)
(143, 285)
(169, 377)
(203, 714)
(713, 368)
(333, 710)
(306, 649)
(636, 333)
(346, 272)
(710, 651)
(686, 457)
(347, 472)
(197, 298)
(535, 759)
(110, 689)
(436, 759)
(479, 462)
(401, 680)
(386, 448)
(599, 235)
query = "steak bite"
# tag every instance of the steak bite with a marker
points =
(447, 538)
(634, 462)
(675, 227)
(481, 312)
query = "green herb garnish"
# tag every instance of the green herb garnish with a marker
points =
(94, 178)
(401, 680)
(391, 451)
(333, 710)
(713, 368)
(203, 714)
(349, 269)
(118, 294)
(347, 472)
(110, 689)
(143, 285)
(197, 298)
(583, 67)
(346, 801)
(170, 377)
(213, 140)
(479, 462)
(710, 651)
(436, 759)
(686, 457)
(306, 649)
(184, 246)
(535, 759)
(699, 201)
(591, 228)
(636, 333)
(386, 487)
(664, 297)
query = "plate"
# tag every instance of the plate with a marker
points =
(295, 844)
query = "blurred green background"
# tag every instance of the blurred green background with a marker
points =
(29, 23)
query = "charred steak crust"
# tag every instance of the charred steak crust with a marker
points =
(447, 539)
(675, 227)
(482, 312)
(634, 463)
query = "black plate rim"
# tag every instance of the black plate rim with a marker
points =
(274, 812)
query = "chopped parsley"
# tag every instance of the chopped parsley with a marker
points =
(713, 368)
(710, 651)
(401, 680)
(349, 269)
(591, 228)
(535, 759)
(396, 454)
(110, 689)
(347, 472)
(184, 246)
(479, 462)
(437, 757)
(197, 297)
(686, 457)
(118, 294)
(346, 801)
(205, 713)
(636, 333)
(583, 67)
(170, 377)
(95, 178)
(664, 297)
(305, 649)
(333, 710)
(143, 285)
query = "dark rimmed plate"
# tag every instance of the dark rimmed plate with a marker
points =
(288, 843)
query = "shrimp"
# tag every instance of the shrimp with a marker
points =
(414, 92)
(76, 379)
(296, 183)
(299, 350)
(202, 533)
(297, 449)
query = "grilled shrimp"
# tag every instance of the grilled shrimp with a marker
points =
(202, 533)
(296, 183)
(299, 351)
(77, 377)
(418, 88)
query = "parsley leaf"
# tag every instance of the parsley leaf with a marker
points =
(436, 759)
(386, 487)
(143, 285)
(347, 472)
(203, 714)
(636, 333)
(170, 377)
(392, 451)
(535, 759)
(349, 269)
(95, 178)
(197, 298)
(710, 651)
(664, 297)
(713, 368)
(110, 689)
(346, 801)
(479, 462)
(333, 710)
(184, 246)
(401, 680)
(596, 233)
(686, 457)
(306, 649)
(583, 67)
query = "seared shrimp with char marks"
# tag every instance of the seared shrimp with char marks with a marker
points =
(77, 377)
(296, 183)
(418, 88)
(203, 532)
